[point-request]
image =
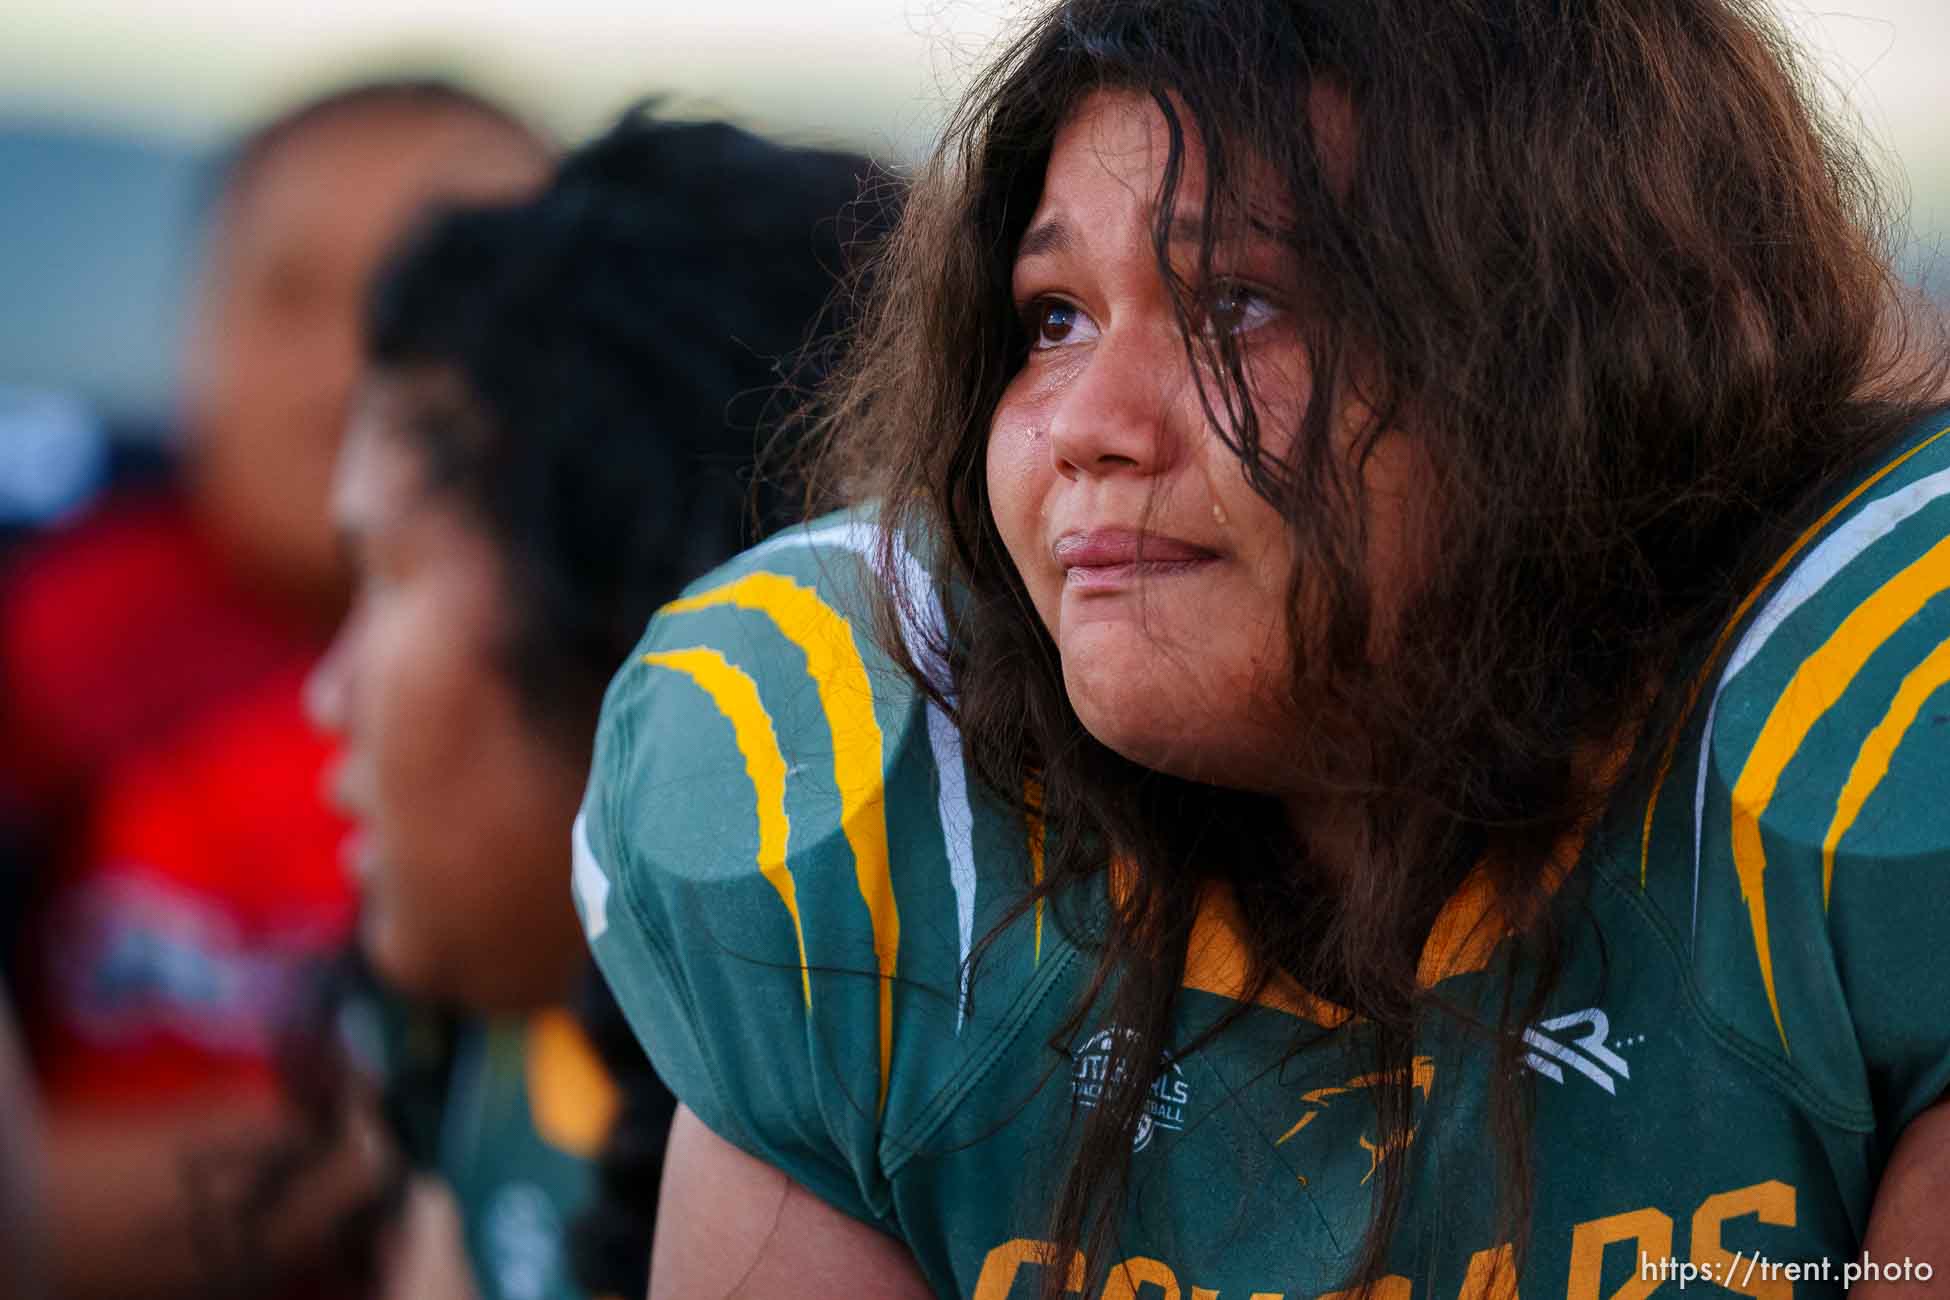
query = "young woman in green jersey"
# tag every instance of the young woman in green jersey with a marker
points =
(1346, 433)
(563, 400)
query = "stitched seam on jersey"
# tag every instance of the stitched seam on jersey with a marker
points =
(1231, 1115)
(1005, 1036)
(1851, 1116)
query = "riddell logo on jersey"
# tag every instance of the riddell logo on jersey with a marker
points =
(1558, 1043)
(1094, 1071)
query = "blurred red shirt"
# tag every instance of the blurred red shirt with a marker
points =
(153, 727)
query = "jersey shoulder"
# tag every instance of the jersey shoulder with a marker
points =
(760, 741)
(1811, 800)
(783, 862)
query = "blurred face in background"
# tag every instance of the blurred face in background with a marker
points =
(274, 350)
(462, 804)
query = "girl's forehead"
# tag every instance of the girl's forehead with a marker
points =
(1120, 135)
(1107, 169)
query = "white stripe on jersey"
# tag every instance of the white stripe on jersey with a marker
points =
(591, 884)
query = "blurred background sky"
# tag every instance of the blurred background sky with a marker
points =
(109, 109)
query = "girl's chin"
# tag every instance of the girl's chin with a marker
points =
(1234, 753)
(1144, 741)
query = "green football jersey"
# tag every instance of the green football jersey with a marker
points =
(526, 1113)
(783, 864)
(511, 1118)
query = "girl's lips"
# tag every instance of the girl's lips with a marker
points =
(1101, 557)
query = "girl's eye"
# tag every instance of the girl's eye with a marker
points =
(1235, 308)
(1051, 323)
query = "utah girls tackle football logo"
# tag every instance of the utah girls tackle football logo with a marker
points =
(1097, 1067)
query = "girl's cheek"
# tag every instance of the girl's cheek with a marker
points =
(1019, 479)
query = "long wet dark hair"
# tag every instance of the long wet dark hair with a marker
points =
(1607, 263)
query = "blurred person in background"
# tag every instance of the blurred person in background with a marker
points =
(151, 656)
(565, 402)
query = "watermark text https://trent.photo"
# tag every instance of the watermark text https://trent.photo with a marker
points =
(1740, 1270)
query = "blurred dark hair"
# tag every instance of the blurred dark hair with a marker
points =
(234, 168)
(596, 369)
(1605, 262)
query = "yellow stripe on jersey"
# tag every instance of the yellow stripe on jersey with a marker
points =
(1872, 760)
(1733, 625)
(572, 1101)
(1815, 687)
(736, 695)
(839, 673)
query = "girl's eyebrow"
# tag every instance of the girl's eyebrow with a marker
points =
(1048, 236)
(1053, 235)
(1189, 228)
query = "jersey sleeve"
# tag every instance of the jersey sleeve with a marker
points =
(1886, 880)
(732, 864)
(1821, 926)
